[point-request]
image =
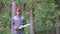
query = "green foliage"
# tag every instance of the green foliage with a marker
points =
(45, 14)
(45, 17)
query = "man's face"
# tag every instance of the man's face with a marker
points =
(17, 13)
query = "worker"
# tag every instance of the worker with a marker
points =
(18, 20)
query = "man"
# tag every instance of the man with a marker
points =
(18, 21)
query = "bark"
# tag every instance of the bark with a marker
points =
(31, 22)
(13, 13)
(57, 2)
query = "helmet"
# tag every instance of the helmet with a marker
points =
(18, 10)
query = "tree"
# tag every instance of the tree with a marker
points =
(13, 13)
(57, 2)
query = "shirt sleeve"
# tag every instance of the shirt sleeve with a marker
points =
(13, 22)
(23, 21)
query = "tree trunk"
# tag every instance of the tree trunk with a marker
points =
(32, 28)
(13, 13)
(32, 22)
(57, 2)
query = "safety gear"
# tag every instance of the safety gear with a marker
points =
(18, 10)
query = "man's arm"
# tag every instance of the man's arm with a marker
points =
(23, 22)
(13, 24)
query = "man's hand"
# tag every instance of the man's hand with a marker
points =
(20, 26)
